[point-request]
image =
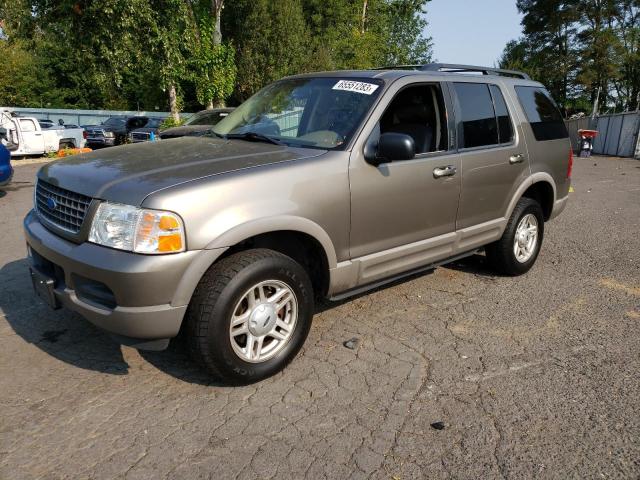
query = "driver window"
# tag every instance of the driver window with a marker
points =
(419, 112)
(27, 125)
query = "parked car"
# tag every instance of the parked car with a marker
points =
(145, 133)
(198, 124)
(113, 131)
(322, 185)
(31, 139)
(6, 170)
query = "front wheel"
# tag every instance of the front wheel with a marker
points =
(518, 248)
(250, 315)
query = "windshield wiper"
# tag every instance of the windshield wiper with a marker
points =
(254, 136)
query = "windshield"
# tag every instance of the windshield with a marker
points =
(208, 118)
(306, 112)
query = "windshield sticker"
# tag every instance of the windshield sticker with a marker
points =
(358, 87)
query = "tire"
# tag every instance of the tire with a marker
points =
(65, 144)
(223, 295)
(502, 254)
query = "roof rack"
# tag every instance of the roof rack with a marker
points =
(454, 68)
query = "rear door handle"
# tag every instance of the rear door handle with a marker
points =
(447, 171)
(518, 158)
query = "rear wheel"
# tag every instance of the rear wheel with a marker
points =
(518, 248)
(250, 315)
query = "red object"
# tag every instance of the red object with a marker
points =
(588, 133)
(570, 167)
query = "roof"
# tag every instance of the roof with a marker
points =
(439, 70)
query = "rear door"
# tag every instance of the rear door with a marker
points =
(492, 152)
(31, 137)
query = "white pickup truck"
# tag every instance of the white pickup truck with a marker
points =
(32, 139)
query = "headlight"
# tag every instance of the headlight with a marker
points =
(137, 229)
(109, 134)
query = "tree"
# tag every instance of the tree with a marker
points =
(581, 50)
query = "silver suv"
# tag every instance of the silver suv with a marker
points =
(320, 185)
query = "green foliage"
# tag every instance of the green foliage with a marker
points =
(169, 122)
(150, 54)
(213, 69)
(579, 49)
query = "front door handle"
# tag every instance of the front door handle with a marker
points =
(447, 171)
(518, 158)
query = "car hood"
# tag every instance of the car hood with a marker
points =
(185, 130)
(128, 174)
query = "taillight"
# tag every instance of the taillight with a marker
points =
(570, 167)
(84, 134)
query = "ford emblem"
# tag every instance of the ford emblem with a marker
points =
(51, 203)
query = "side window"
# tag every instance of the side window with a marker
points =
(27, 125)
(418, 111)
(505, 127)
(543, 115)
(477, 125)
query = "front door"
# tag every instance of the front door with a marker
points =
(32, 140)
(403, 213)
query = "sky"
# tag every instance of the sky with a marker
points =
(472, 32)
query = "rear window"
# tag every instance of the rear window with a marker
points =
(543, 115)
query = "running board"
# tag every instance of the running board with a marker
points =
(371, 286)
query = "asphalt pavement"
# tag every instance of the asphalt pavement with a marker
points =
(454, 374)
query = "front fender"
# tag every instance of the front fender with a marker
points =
(263, 225)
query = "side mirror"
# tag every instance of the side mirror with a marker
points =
(392, 147)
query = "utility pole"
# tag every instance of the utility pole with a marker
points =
(595, 104)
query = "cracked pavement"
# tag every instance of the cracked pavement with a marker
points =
(533, 377)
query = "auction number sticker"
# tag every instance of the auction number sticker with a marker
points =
(358, 87)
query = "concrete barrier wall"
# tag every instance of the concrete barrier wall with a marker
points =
(84, 117)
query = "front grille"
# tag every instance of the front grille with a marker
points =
(61, 208)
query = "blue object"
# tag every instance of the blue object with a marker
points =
(6, 170)
(152, 136)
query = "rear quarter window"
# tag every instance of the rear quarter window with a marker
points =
(543, 115)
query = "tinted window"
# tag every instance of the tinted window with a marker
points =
(505, 127)
(477, 126)
(542, 113)
(114, 121)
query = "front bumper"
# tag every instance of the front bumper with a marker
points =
(127, 294)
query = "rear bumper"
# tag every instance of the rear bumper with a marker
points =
(6, 173)
(558, 207)
(123, 293)
(101, 142)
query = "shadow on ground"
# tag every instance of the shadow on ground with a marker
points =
(68, 337)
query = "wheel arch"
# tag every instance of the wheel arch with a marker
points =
(299, 238)
(540, 187)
